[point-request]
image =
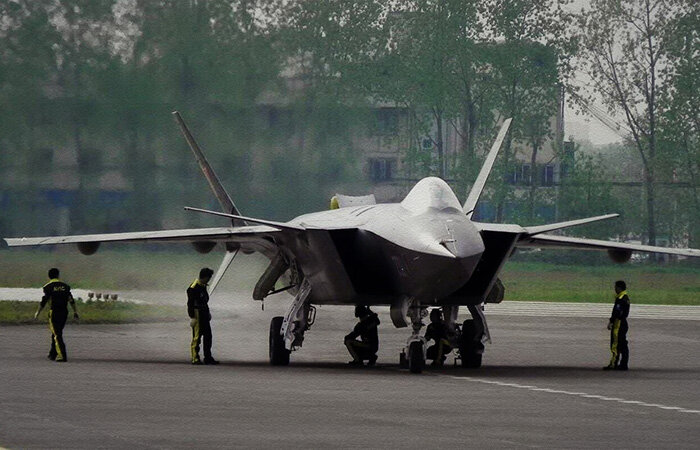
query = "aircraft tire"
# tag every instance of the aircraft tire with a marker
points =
(416, 357)
(403, 361)
(469, 350)
(471, 361)
(279, 355)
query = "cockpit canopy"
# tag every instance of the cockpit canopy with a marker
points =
(431, 192)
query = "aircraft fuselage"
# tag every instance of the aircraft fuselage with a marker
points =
(423, 248)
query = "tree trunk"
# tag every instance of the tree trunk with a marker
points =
(533, 182)
(440, 144)
(651, 219)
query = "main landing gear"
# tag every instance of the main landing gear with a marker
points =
(287, 332)
(472, 337)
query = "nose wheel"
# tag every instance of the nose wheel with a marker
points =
(416, 357)
(413, 356)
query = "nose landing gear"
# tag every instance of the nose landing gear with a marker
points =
(413, 355)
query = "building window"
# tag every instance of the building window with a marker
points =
(386, 122)
(521, 174)
(380, 169)
(514, 176)
(548, 175)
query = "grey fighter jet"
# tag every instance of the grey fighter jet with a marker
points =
(424, 251)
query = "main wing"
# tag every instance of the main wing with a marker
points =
(256, 238)
(566, 242)
(533, 237)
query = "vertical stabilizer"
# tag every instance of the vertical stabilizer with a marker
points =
(478, 187)
(217, 188)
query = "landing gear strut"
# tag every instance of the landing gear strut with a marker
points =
(413, 356)
(287, 333)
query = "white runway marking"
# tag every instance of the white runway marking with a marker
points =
(578, 394)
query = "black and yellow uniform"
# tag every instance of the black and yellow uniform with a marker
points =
(618, 332)
(57, 294)
(437, 331)
(368, 345)
(198, 309)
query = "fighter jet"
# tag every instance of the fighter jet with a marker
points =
(425, 251)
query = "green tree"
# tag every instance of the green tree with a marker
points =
(679, 122)
(624, 47)
(587, 191)
(530, 61)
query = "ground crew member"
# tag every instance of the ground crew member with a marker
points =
(618, 329)
(437, 331)
(366, 329)
(57, 295)
(200, 317)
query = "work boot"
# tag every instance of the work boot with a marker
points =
(210, 361)
(621, 368)
(51, 357)
(196, 362)
(355, 363)
(60, 360)
(609, 367)
(372, 360)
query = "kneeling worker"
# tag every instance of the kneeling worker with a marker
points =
(437, 331)
(57, 294)
(200, 317)
(618, 329)
(366, 329)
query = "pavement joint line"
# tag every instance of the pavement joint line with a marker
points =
(578, 394)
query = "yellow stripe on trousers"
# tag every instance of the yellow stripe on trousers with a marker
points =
(59, 352)
(195, 337)
(613, 345)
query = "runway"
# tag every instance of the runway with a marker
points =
(540, 386)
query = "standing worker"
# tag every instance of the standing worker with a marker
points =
(57, 294)
(366, 329)
(200, 317)
(618, 329)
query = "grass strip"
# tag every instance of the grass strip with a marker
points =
(18, 313)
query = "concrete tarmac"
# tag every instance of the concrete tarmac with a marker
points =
(541, 385)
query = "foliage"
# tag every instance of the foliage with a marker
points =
(627, 51)
(587, 192)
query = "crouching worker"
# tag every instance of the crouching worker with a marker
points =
(438, 332)
(200, 317)
(57, 295)
(366, 348)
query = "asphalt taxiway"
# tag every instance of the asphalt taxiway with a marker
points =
(541, 386)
